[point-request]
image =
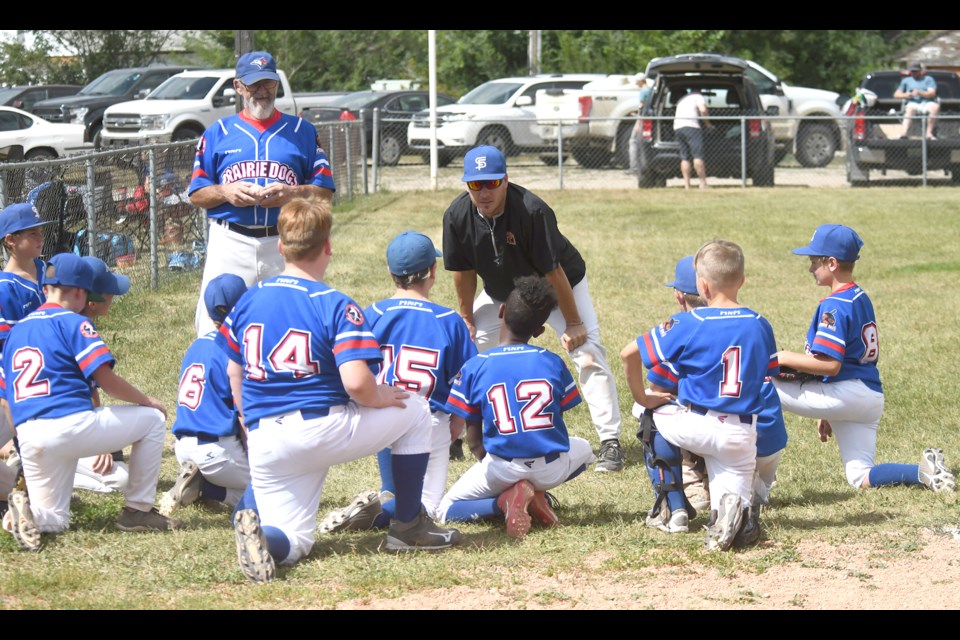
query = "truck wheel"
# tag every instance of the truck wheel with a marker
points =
(95, 135)
(551, 160)
(496, 137)
(649, 179)
(816, 145)
(185, 133)
(621, 154)
(443, 158)
(955, 173)
(779, 155)
(391, 148)
(763, 176)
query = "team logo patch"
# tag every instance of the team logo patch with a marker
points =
(354, 315)
(481, 162)
(260, 62)
(666, 326)
(828, 320)
(511, 239)
(87, 330)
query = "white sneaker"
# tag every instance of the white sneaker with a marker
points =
(934, 473)
(676, 522)
(724, 527)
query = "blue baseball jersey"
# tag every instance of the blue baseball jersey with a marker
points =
(18, 298)
(844, 328)
(520, 393)
(283, 149)
(423, 345)
(48, 362)
(291, 335)
(716, 358)
(204, 398)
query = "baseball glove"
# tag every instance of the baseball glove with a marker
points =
(789, 374)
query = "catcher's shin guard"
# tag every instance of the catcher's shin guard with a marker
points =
(664, 464)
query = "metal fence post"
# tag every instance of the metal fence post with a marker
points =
(743, 152)
(376, 151)
(91, 206)
(152, 198)
(560, 155)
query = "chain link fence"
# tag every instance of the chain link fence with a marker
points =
(130, 206)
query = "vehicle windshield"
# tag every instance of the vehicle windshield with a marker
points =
(354, 100)
(491, 93)
(184, 88)
(7, 94)
(112, 83)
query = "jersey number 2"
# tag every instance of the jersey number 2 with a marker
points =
(28, 362)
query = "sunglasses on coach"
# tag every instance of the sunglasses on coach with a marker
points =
(476, 185)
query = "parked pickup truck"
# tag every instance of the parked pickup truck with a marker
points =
(88, 105)
(875, 123)
(184, 106)
(598, 119)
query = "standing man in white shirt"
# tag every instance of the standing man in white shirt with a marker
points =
(691, 111)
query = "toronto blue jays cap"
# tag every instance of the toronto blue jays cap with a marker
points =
(222, 294)
(19, 217)
(484, 163)
(410, 253)
(105, 281)
(256, 66)
(685, 279)
(69, 270)
(833, 241)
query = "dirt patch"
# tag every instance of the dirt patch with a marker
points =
(824, 576)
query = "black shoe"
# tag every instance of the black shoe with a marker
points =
(611, 457)
(456, 449)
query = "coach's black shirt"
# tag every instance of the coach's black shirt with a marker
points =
(523, 240)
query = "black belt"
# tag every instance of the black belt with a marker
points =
(313, 414)
(745, 418)
(250, 232)
(550, 457)
(201, 437)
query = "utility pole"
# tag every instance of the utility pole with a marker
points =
(533, 52)
(243, 42)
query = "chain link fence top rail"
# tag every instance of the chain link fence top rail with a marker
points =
(133, 202)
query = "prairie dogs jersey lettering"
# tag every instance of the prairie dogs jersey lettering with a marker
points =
(844, 328)
(423, 345)
(273, 171)
(48, 361)
(291, 335)
(716, 358)
(520, 392)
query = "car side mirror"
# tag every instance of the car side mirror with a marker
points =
(773, 110)
(143, 93)
(524, 101)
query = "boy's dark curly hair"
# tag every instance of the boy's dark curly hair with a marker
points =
(529, 305)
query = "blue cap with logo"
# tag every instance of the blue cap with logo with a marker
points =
(833, 241)
(685, 278)
(221, 294)
(411, 252)
(69, 270)
(105, 281)
(484, 163)
(256, 66)
(19, 217)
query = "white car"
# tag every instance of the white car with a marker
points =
(40, 139)
(499, 113)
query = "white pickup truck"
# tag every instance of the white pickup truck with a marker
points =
(596, 121)
(184, 106)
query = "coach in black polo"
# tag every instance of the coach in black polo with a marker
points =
(501, 231)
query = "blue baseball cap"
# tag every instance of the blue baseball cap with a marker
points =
(19, 217)
(222, 294)
(484, 163)
(69, 270)
(256, 66)
(833, 241)
(411, 252)
(105, 281)
(685, 279)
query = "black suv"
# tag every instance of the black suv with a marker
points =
(734, 104)
(875, 121)
(87, 106)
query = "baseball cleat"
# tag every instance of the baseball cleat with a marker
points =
(933, 471)
(356, 516)
(421, 533)
(186, 490)
(255, 560)
(724, 527)
(749, 533)
(19, 521)
(133, 520)
(610, 457)
(514, 503)
(542, 510)
(676, 522)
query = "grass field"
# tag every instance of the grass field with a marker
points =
(631, 240)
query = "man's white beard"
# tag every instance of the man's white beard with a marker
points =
(259, 109)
